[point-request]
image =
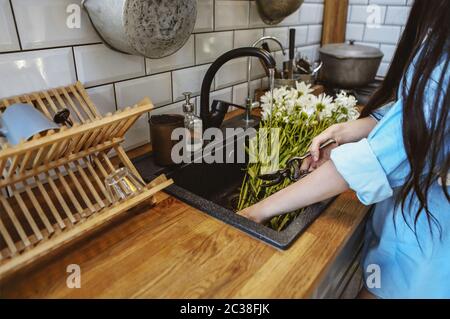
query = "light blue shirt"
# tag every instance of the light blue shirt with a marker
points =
(375, 168)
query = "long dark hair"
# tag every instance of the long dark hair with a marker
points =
(426, 36)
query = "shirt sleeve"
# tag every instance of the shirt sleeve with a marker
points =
(363, 173)
(374, 166)
(379, 113)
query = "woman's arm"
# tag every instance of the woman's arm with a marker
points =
(323, 183)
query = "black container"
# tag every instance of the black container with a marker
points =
(161, 128)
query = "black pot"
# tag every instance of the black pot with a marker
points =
(349, 65)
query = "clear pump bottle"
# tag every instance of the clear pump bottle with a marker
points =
(193, 125)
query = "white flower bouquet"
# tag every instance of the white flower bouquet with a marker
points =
(300, 116)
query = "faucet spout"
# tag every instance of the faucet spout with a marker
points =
(249, 63)
(215, 117)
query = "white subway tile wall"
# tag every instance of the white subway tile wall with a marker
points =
(39, 51)
(183, 58)
(378, 23)
(30, 71)
(42, 24)
(8, 36)
(104, 98)
(158, 87)
(97, 64)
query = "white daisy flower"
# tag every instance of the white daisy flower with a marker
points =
(323, 103)
(291, 104)
(345, 100)
(303, 88)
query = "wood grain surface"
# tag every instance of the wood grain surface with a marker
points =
(175, 251)
(334, 21)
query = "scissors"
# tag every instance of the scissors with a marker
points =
(292, 170)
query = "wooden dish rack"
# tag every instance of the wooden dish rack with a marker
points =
(52, 187)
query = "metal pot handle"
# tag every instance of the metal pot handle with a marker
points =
(317, 69)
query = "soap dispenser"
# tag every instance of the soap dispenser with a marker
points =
(193, 125)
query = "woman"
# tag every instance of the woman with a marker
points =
(397, 157)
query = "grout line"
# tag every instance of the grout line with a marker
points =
(15, 25)
(144, 76)
(213, 91)
(75, 64)
(214, 15)
(179, 69)
(233, 40)
(364, 31)
(307, 34)
(145, 66)
(249, 12)
(50, 48)
(115, 96)
(264, 28)
(195, 48)
(171, 86)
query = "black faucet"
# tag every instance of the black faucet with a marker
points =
(220, 108)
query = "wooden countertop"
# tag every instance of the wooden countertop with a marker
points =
(175, 251)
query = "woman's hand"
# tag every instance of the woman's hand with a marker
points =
(320, 156)
(254, 213)
(342, 133)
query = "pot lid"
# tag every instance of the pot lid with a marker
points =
(351, 51)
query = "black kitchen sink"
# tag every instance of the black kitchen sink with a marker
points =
(217, 183)
(214, 189)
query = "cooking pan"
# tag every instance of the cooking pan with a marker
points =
(151, 28)
(274, 11)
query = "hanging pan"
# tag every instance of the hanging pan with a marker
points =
(151, 28)
(274, 11)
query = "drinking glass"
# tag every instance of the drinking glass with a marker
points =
(122, 184)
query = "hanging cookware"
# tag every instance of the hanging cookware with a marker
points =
(274, 11)
(151, 28)
(349, 65)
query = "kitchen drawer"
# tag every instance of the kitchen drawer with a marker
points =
(344, 272)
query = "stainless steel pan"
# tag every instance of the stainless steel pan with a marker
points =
(274, 11)
(152, 28)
